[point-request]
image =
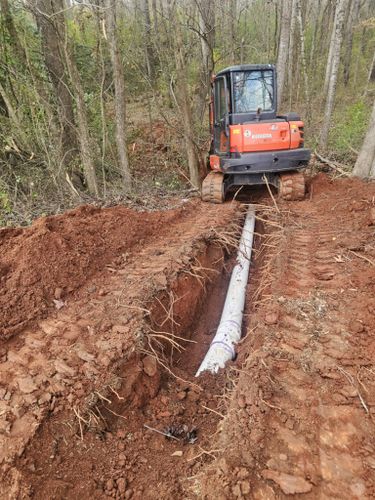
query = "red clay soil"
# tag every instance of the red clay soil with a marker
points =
(301, 418)
(56, 255)
(292, 415)
(65, 379)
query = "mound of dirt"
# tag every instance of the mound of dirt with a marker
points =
(42, 265)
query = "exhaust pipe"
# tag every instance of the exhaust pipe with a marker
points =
(228, 333)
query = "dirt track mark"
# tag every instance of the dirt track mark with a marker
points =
(301, 419)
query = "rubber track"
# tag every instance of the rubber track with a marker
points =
(292, 186)
(213, 188)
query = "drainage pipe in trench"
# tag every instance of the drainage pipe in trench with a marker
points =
(228, 333)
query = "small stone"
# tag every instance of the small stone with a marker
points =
(150, 366)
(245, 487)
(177, 453)
(164, 414)
(128, 493)
(164, 400)
(63, 368)
(27, 385)
(44, 398)
(289, 484)
(121, 485)
(243, 473)
(290, 423)
(181, 395)
(241, 401)
(356, 326)
(193, 396)
(58, 293)
(109, 485)
(121, 434)
(271, 318)
(236, 490)
(84, 355)
(121, 446)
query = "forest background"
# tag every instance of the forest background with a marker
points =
(108, 100)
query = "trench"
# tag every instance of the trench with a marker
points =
(162, 396)
(187, 312)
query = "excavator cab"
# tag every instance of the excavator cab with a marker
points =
(250, 143)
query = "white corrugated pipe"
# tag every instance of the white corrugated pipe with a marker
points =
(228, 333)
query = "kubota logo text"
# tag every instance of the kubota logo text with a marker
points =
(248, 133)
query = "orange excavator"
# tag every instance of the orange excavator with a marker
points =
(251, 144)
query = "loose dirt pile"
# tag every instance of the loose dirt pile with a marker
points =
(89, 392)
(97, 357)
(54, 257)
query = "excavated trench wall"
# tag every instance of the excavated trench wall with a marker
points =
(192, 295)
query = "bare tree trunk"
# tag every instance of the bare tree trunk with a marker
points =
(277, 30)
(206, 19)
(49, 16)
(155, 23)
(184, 104)
(149, 53)
(371, 75)
(21, 140)
(315, 24)
(352, 19)
(282, 57)
(118, 77)
(86, 145)
(291, 58)
(365, 164)
(233, 27)
(9, 23)
(303, 55)
(336, 41)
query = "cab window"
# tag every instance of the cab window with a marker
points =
(221, 106)
(253, 91)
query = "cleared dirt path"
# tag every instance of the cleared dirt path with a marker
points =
(301, 421)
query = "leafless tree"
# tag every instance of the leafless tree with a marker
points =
(206, 22)
(302, 51)
(184, 103)
(333, 63)
(282, 56)
(50, 21)
(349, 32)
(149, 53)
(119, 83)
(365, 164)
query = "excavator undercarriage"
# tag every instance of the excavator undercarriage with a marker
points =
(291, 186)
